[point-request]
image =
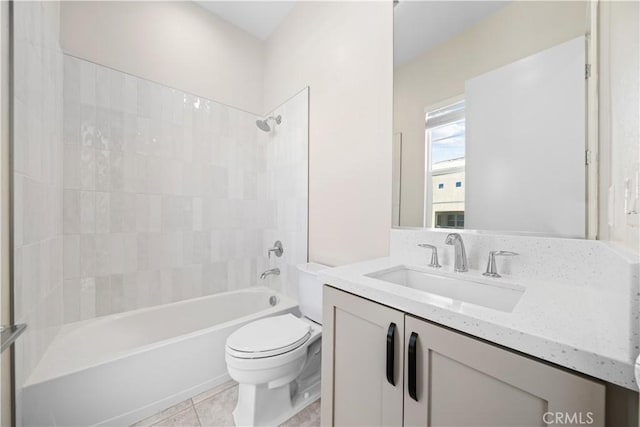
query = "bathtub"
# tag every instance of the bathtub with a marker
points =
(118, 369)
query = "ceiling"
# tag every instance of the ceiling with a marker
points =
(259, 18)
(419, 25)
(422, 25)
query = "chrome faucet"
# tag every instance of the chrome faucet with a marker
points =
(460, 255)
(492, 269)
(272, 271)
(434, 255)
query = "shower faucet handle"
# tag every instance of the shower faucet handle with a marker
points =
(277, 249)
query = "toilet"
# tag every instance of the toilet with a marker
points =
(276, 360)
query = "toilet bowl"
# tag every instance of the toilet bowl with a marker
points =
(276, 360)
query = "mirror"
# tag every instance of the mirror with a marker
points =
(490, 123)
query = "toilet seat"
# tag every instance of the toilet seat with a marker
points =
(268, 337)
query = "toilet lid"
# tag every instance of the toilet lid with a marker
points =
(270, 336)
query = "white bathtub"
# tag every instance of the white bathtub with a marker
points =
(118, 369)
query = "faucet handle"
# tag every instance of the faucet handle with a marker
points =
(434, 254)
(277, 249)
(492, 270)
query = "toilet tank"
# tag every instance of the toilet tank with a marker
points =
(310, 291)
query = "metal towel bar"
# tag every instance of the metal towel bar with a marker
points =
(9, 333)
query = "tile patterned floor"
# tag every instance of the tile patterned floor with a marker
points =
(213, 409)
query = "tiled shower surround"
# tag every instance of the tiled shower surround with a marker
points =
(37, 181)
(129, 194)
(169, 196)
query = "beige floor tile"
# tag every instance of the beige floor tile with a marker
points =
(210, 393)
(186, 418)
(214, 408)
(167, 413)
(217, 410)
(308, 417)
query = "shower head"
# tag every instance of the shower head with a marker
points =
(264, 124)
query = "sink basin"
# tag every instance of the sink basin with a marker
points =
(449, 288)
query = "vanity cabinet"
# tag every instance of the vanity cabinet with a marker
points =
(448, 378)
(364, 361)
(462, 381)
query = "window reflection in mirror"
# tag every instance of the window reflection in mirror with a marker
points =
(445, 161)
(490, 129)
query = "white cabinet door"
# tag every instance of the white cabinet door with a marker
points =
(362, 344)
(461, 381)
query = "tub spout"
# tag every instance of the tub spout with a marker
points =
(274, 271)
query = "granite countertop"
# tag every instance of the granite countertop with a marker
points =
(585, 329)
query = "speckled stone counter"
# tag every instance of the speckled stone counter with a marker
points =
(579, 309)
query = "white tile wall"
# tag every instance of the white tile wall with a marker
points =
(38, 178)
(282, 183)
(169, 196)
(130, 194)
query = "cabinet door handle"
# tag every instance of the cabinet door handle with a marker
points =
(413, 341)
(391, 346)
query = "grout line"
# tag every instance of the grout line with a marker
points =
(172, 416)
(229, 384)
(155, 422)
(196, 411)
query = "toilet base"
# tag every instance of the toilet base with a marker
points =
(260, 406)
